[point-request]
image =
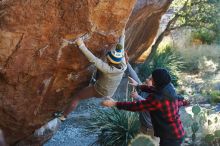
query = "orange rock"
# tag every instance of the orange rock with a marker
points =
(40, 72)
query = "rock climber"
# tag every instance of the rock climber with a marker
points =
(110, 75)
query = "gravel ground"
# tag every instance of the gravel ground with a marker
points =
(71, 132)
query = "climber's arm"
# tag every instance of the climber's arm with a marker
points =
(133, 74)
(122, 43)
(149, 104)
(101, 65)
(122, 40)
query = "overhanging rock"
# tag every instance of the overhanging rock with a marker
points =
(38, 74)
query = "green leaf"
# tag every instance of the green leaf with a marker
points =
(193, 137)
(195, 127)
(209, 138)
(217, 133)
(196, 109)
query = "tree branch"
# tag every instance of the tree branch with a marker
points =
(164, 33)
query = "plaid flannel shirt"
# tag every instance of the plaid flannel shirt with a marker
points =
(164, 113)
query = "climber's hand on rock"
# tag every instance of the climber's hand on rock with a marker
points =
(108, 103)
(79, 42)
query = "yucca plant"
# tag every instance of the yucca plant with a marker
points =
(168, 59)
(204, 35)
(113, 127)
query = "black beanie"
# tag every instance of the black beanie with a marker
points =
(161, 78)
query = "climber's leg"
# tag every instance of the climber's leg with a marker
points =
(132, 73)
(85, 93)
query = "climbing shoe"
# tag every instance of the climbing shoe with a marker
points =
(60, 116)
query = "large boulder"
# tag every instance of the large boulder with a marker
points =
(39, 72)
(143, 25)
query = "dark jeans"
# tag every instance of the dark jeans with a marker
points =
(171, 142)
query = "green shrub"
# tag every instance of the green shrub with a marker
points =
(142, 140)
(168, 59)
(209, 138)
(192, 66)
(113, 127)
(217, 133)
(204, 35)
(215, 97)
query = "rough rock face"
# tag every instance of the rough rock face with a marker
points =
(143, 25)
(39, 72)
